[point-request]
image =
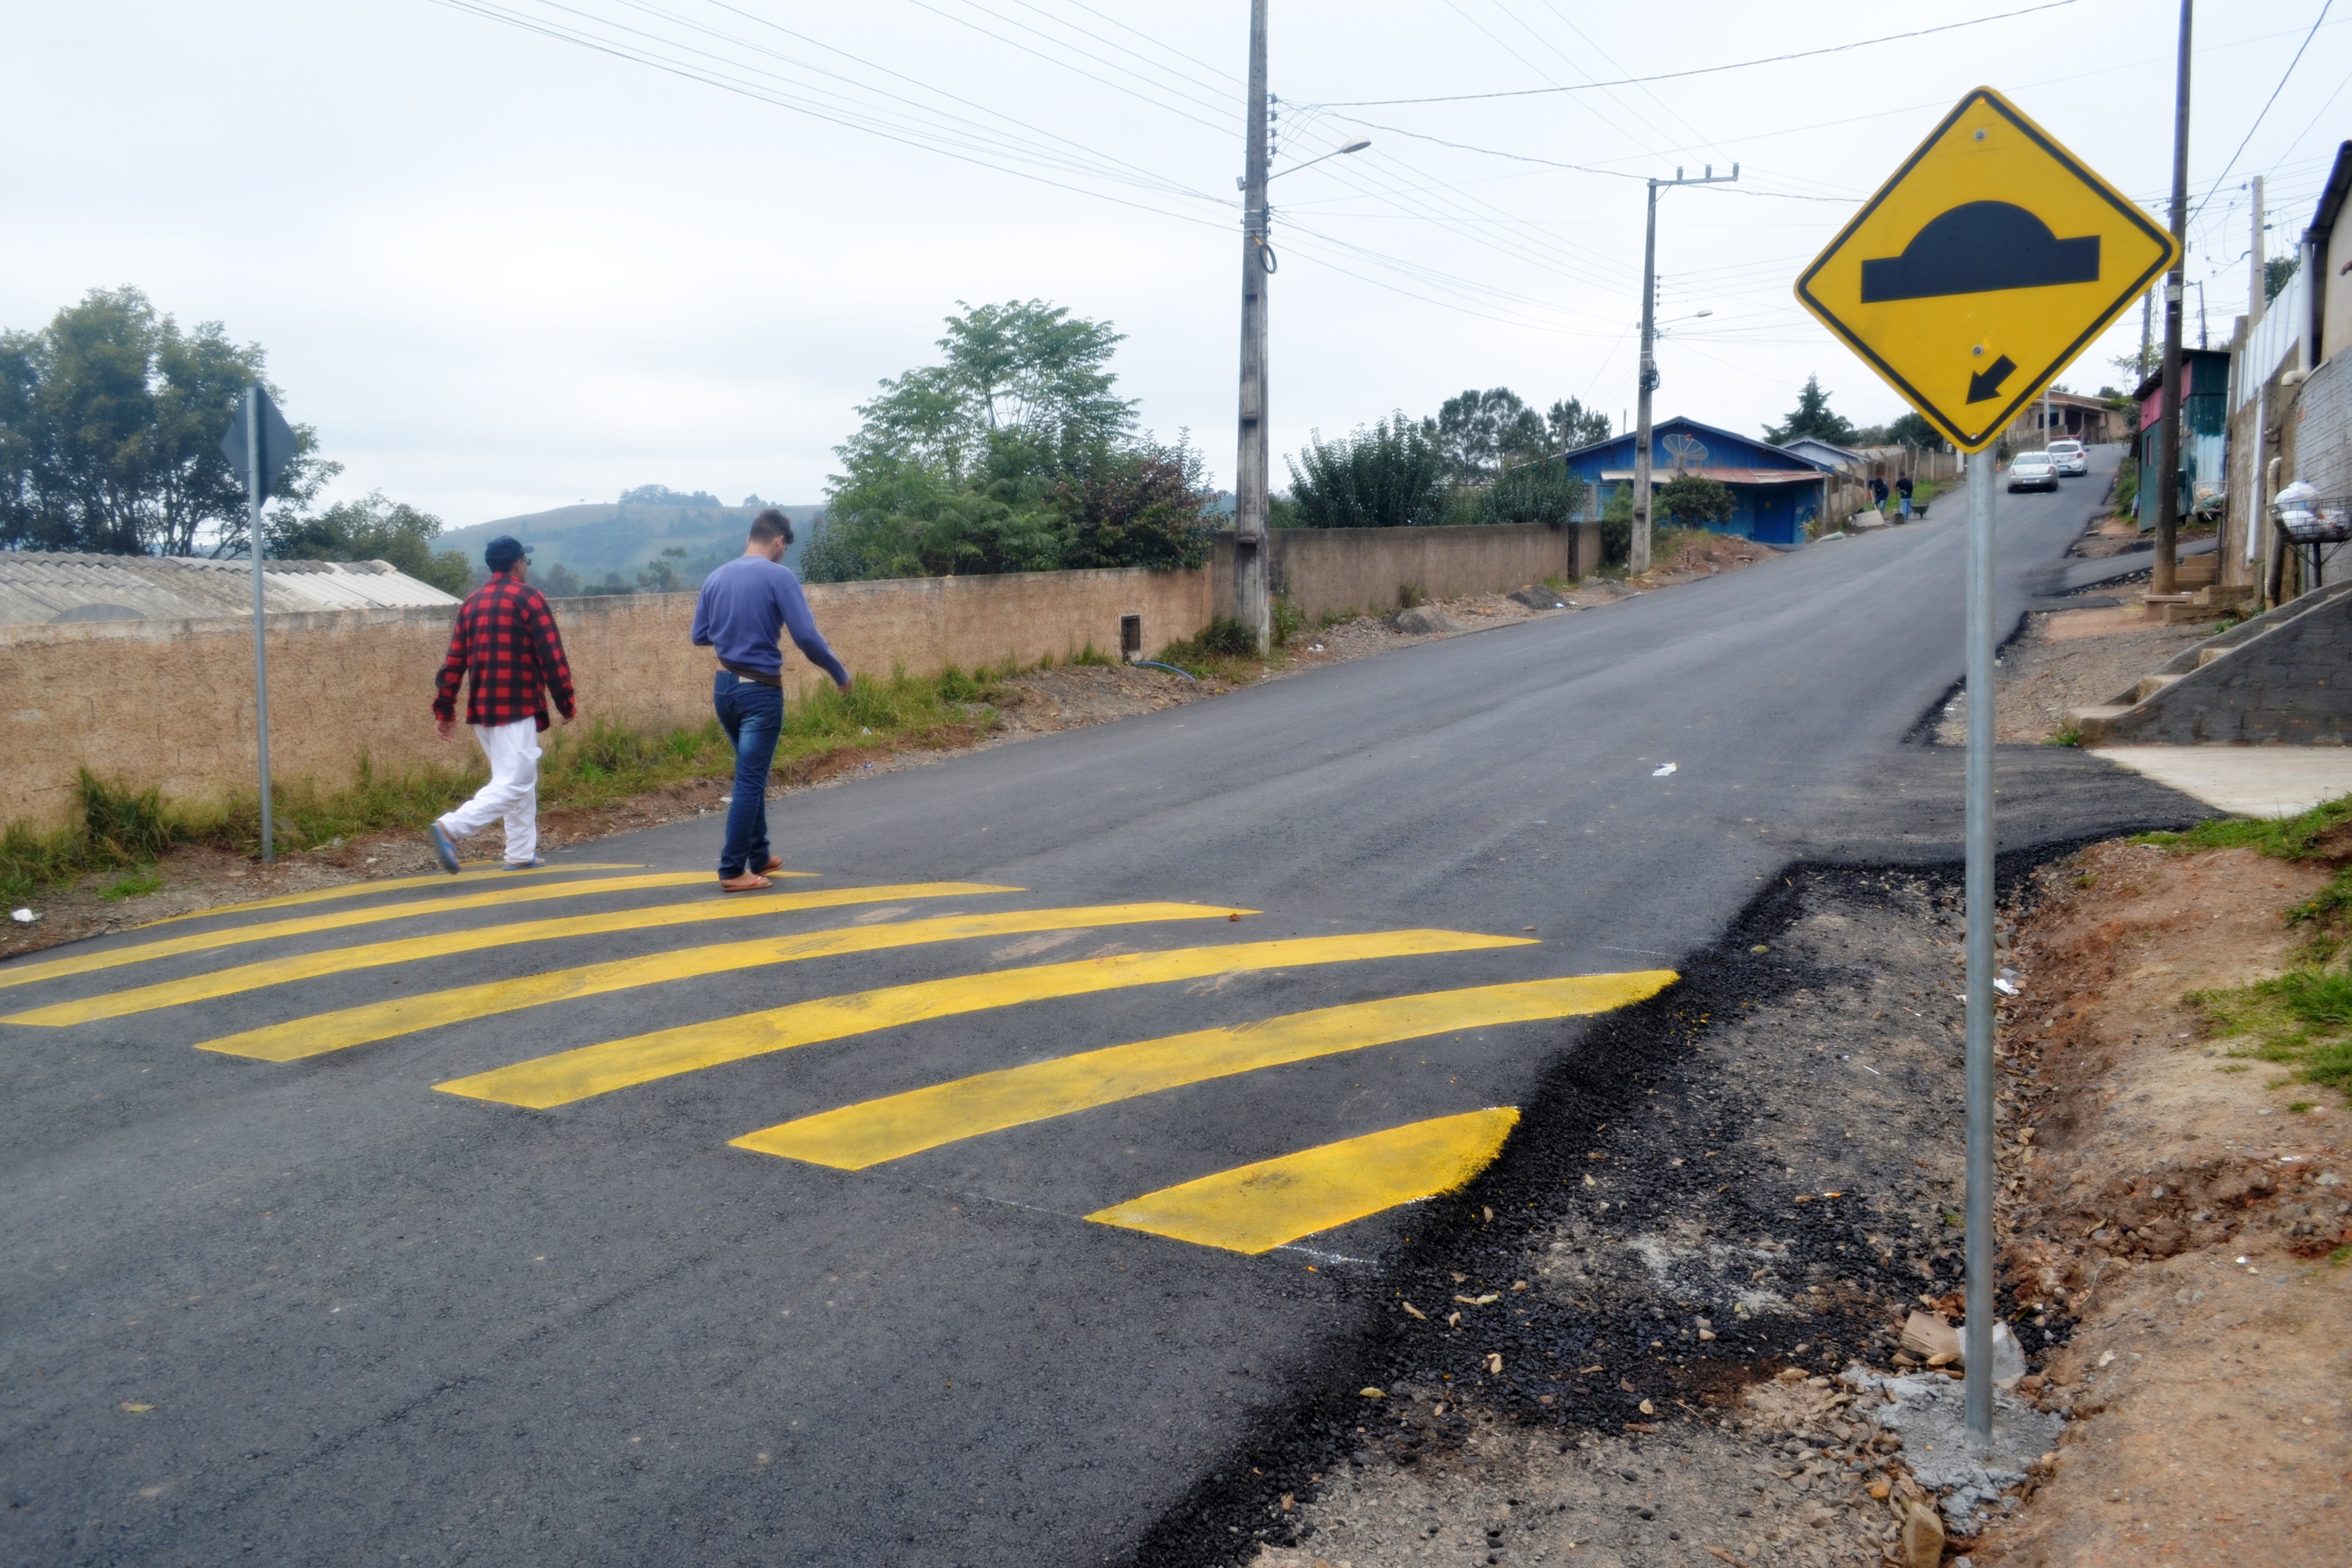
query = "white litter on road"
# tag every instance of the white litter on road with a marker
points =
(1662, 770)
(24, 917)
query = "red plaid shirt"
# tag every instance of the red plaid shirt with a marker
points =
(506, 634)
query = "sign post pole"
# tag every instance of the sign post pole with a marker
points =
(255, 483)
(1977, 1350)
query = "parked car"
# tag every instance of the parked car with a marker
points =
(2032, 471)
(2070, 456)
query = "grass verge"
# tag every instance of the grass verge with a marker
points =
(122, 829)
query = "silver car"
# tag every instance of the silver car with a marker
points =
(2032, 471)
(2070, 458)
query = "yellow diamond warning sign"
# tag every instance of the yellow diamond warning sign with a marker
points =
(1983, 267)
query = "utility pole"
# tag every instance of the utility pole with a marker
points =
(1250, 605)
(2254, 279)
(1638, 546)
(2167, 477)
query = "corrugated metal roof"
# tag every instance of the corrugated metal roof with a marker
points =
(39, 587)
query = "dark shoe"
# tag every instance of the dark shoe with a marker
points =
(443, 850)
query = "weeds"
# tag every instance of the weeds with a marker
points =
(137, 884)
(1289, 620)
(2069, 736)
(2286, 838)
(1409, 596)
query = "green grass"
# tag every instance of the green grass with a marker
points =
(2069, 736)
(2286, 838)
(137, 884)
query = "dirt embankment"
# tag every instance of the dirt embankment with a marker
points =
(1732, 1199)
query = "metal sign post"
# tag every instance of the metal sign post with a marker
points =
(1977, 1352)
(259, 446)
(1980, 270)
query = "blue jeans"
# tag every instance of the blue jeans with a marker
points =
(752, 714)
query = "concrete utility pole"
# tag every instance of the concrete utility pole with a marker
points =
(1637, 553)
(1251, 606)
(2167, 440)
(2255, 259)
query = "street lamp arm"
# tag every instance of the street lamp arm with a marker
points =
(1356, 147)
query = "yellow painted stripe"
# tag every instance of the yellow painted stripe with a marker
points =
(236, 936)
(572, 1075)
(1257, 1208)
(382, 885)
(405, 1015)
(857, 1136)
(440, 944)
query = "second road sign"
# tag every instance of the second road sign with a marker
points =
(1983, 267)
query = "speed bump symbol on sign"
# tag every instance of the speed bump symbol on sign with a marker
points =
(1979, 271)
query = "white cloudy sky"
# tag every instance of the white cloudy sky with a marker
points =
(500, 271)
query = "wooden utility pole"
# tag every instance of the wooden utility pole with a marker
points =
(2167, 477)
(1250, 605)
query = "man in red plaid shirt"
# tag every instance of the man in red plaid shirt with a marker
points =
(506, 634)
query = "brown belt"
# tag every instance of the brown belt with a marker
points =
(761, 676)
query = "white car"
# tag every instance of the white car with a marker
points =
(2032, 471)
(2070, 458)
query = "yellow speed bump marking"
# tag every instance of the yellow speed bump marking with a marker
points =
(441, 944)
(1257, 1208)
(867, 1134)
(382, 885)
(327, 1032)
(590, 1071)
(238, 936)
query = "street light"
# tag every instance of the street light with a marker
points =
(1358, 145)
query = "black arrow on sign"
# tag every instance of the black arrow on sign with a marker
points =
(1986, 384)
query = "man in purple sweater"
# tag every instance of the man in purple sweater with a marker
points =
(743, 607)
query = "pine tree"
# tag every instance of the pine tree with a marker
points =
(1811, 417)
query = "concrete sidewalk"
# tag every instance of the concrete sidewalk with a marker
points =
(2245, 781)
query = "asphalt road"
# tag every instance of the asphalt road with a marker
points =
(442, 1252)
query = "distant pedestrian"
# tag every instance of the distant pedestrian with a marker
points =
(506, 634)
(1877, 493)
(744, 608)
(1903, 488)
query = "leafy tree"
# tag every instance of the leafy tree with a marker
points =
(1915, 430)
(372, 529)
(557, 581)
(1013, 454)
(2139, 365)
(662, 495)
(1572, 425)
(2277, 272)
(660, 575)
(1478, 432)
(1145, 508)
(1393, 475)
(1812, 416)
(1694, 501)
(110, 423)
(1533, 492)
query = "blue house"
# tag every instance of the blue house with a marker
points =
(1776, 492)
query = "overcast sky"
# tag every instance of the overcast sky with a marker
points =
(499, 270)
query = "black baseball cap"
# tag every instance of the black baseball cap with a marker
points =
(503, 551)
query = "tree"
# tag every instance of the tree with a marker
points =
(111, 424)
(372, 529)
(1478, 432)
(1812, 416)
(1913, 429)
(1694, 501)
(1393, 475)
(1013, 454)
(662, 495)
(660, 575)
(2277, 272)
(1574, 425)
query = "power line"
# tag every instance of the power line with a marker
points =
(1701, 71)
(2257, 125)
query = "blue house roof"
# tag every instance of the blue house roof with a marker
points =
(1722, 449)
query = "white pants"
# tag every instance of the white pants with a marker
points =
(512, 791)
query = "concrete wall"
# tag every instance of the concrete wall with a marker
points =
(2285, 679)
(1362, 568)
(170, 703)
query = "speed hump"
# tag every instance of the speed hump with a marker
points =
(1979, 271)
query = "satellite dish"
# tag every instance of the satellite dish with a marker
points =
(1686, 452)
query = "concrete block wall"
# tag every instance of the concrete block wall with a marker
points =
(1362, 568)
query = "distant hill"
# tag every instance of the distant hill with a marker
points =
(594, 540)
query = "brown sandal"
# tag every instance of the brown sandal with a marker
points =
(748, 882)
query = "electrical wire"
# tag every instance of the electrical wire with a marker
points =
(1701, 71)
(2267, 102)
